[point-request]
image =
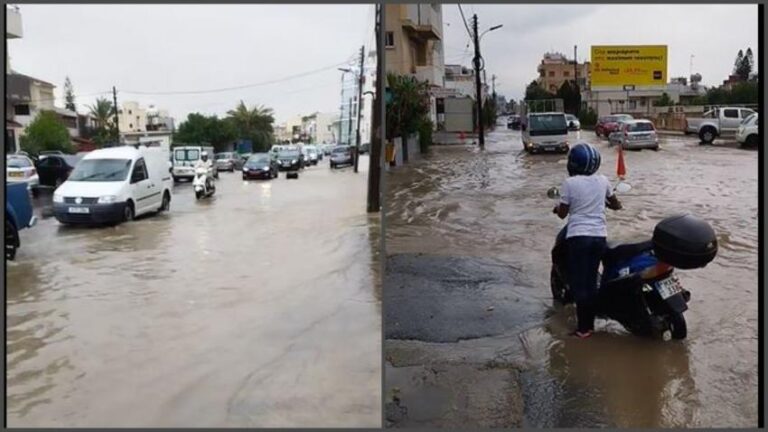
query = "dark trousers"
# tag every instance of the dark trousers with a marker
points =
(584, 254)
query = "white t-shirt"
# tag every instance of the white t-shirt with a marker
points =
(585, 197)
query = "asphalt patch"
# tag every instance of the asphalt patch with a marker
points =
(436, 298)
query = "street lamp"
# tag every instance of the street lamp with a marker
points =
(490, 30)
(478, 86)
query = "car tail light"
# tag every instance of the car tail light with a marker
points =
(654, 272)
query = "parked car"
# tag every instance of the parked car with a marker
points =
(514, 122)
(607, 124)
(717, 122)
(545, 132)
(21, 169)
(289, 159)
(635, 134)
(365, 148)
(748, 133)
(327, 149)
(573, 122)
(341, 155)
(114, 185)
(18, 216)
(228, 161)
(260, 166)
(45, 153)
(54, 169)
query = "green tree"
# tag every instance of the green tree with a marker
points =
(408, 107)
(588, 117)
(46, 132)
(534, 92)
(105, 130)
(571, 97)
(744, 68)
(737, 62)
(69, 95)
(489, 112)
(199, 129)
(663, 101)
(254, 123)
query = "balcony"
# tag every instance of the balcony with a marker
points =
(13, 23)
(423, 21)
(431, 74)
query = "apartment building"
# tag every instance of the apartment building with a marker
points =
(556, 68)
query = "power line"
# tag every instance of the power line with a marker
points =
(464, 20)
(275, 81)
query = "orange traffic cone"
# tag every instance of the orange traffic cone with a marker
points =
(621, 169)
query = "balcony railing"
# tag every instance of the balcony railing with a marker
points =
(13, 28)
(423, 21)
(431, 74)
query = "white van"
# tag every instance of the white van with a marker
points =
(115, 185)
(184, 159)
(547, 131)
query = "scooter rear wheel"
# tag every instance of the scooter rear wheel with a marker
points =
(677, 325)
(560, 292)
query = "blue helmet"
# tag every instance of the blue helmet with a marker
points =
(583, 159)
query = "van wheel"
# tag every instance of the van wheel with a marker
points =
(11, 240)
(751, 141)
(128, 212)
(166, 205)
(707, 135)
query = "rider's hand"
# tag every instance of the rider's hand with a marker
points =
(554, 210)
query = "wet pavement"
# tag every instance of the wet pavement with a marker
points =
(260, 307)
(466, 220)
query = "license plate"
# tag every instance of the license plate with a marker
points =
(79, 210)
(16, 174)
(668, 287)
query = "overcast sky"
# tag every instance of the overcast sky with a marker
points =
(167, 48)
(712, 33)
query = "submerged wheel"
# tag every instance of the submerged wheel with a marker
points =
(166, 205)
(128, 212)
(677, 325)
(557, 286)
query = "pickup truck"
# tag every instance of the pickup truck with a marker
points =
(18, 215)
(717, 122)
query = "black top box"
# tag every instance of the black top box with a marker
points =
(684, 241)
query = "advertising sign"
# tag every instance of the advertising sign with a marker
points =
(623, 65)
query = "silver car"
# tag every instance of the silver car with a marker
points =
(227, 161)
(635, 134)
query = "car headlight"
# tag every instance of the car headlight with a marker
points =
(107, 199)
(58, 198)
(294, 161)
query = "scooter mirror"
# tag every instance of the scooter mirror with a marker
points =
(623, 187)
(553, 193)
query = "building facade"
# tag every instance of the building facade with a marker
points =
(132, 118)
(556, 68)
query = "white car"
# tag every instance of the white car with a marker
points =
(573, 122)
(21, 169)
(114, 185)
(747, 134)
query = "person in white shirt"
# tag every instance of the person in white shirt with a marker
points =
(583, 198)
(206, 164)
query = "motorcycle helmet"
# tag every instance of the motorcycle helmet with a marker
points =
(583, 159)
(204, 156)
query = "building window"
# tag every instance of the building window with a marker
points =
(551, 74)
(632, 104)
(541, 74)
(129, 112)
(130, 125)
(389, 39)
(566, 73)
(21, 110)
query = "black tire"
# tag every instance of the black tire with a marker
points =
(166, 204)
(656, 148)
(677, 326)
(129, 212)
(707, 135)
(11, 240)
(751, 141)
(556, 285)
(35, 192)
(245, 178)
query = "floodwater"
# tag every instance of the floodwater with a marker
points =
(493, 204)
(257, 308)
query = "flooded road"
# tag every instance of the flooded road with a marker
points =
(257, 308)
(477, 216)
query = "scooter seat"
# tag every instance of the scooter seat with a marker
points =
(615, 252)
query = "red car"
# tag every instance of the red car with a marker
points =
(606, 125)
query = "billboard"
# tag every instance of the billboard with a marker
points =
(620, 65)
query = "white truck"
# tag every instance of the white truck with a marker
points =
(184, 159)
(717, 122)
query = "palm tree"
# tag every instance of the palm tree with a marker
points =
(102, 111)
(409, 107)
(254, 123)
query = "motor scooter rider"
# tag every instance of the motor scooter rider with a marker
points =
(205, 163)
(583, 197)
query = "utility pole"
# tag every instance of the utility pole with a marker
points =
(375, 161)
(349, 123)
(493, 84)
(478, 86)
(117, 119)
(576, 78)
(360, 79)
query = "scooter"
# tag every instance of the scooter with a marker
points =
(638, 287)
(203, 184)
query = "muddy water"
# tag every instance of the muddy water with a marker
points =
(493, 204)
(237, 311)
